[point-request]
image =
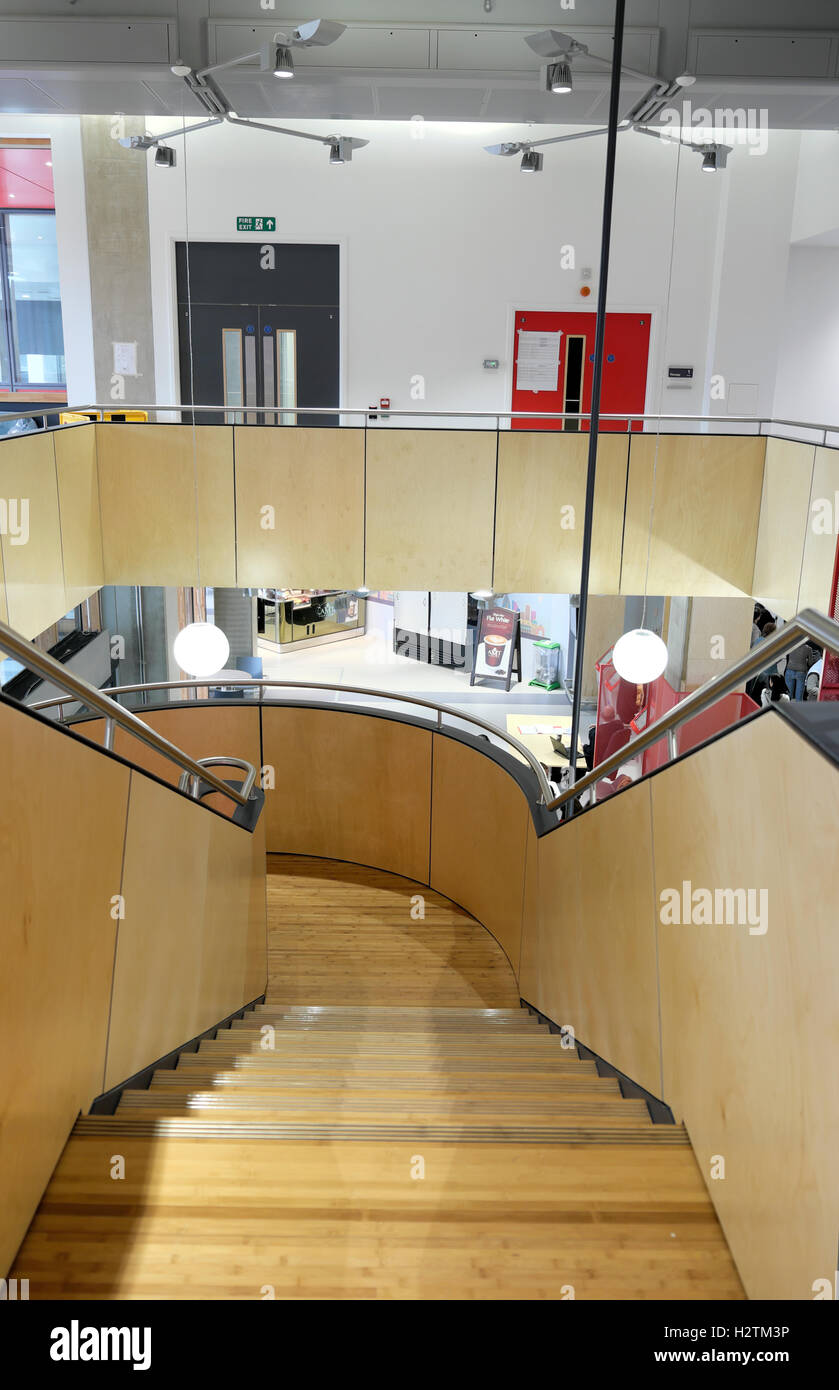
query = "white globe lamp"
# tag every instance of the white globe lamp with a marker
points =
(639, 656)
(201, 649)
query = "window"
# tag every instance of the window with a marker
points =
(31, 336)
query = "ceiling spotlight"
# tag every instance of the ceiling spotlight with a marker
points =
(164, 157)
(283, 62)
(551, 43)
(337, 154)
(559, 77)
(509, 147)
(714, 157)
(317, 33)
(532, 161)
(341, 148)
(180, 69)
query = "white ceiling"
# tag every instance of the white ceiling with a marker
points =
(483, 71)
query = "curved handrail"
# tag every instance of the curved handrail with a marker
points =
(77, 689)
(808, 623)
(267, 683)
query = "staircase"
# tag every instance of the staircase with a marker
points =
(415, 1135)
(302, 1071)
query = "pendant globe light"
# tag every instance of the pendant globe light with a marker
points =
(639, 656)
(201, 649)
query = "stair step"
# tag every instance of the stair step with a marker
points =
(384, 1063)
(392, 1023)
(352, 1042)
(397, 1010)
(248, 1079)
(218, 1128)
(459, 1108)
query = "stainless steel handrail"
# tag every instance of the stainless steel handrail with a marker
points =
(49, 669)
(268, 683)
(181, 408)
(808, 623)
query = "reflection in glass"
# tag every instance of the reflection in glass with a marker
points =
(34, 299)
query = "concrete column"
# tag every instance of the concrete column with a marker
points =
(116, 199)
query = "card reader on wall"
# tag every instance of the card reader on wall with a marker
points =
(679, 378)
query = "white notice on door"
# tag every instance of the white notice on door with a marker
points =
(537, 362)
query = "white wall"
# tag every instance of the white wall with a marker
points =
(64, 133)
(808, 370)
(442, 242)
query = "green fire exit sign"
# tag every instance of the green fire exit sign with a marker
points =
(256, 224)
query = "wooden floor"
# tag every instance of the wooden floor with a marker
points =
(343, 934)
(388, 1125)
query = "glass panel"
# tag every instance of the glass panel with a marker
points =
(35, 300)
(250, 377)
(268, 374)
(287, 372)
(232, 362)
(574, 363)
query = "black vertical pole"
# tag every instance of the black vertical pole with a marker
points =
(597, 383)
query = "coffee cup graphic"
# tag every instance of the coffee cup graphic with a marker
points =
(494, 649)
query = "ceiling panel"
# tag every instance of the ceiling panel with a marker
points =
(85, 40)
(738, 53)
(357, 48)
(506, 51)
(19, 95)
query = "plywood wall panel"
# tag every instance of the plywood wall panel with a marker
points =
(706, 509)
(784, 523)
(313, 482)
(190, 949)
(204, 731)
(594, 968)
(481, 868)
(32, 560)
(821, 535)
(167, 504)
(430, 509)
(81, 527)
(349, 786)
(62, 826)
(541, 512)
(749, 1021)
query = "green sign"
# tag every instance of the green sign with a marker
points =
(256, 224)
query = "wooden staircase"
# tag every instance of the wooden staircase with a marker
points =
(368, 1072)
(413, 1135)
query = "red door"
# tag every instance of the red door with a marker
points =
(624, 370)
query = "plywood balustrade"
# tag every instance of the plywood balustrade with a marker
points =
(589, 954)
(821, 532)
(191, 947)
(300, 506)
(78, 499)
(86, 997)
(167, 501)
(749, 1020)
(541, 511)
(201, 731)
(430, 509)
(62, 825)
(482, 869)
(784, 529)
(31, 538)
(706, 507)
(348, 786)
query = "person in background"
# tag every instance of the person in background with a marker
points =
(798, 663)
(763, 680)
(814, 680)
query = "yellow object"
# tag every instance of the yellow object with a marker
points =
(132, 417)
(76, 417)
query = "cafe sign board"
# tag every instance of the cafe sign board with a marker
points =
(497, 648)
